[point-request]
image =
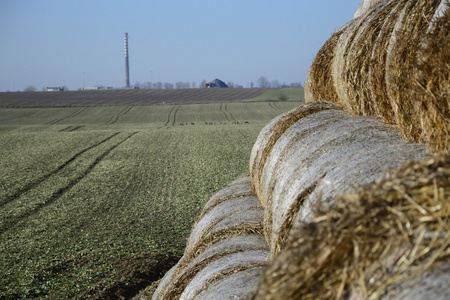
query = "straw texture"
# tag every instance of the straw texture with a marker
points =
(390, 240)
(323, 154)
(391, 61)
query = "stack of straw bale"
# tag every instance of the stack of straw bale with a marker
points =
(390, 240)
(313, 153)
(392, 61)
(343, 195)
(226, 252)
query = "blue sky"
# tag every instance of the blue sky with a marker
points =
(76, 43)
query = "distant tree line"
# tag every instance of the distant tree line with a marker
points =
(262, 82)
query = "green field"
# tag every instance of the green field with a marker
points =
(97, 202)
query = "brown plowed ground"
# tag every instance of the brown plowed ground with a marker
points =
(124, 97)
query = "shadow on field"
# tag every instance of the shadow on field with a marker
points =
(135, 273)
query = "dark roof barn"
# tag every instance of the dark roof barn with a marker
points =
(216, 83)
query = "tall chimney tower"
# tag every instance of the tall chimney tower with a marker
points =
(127, 68)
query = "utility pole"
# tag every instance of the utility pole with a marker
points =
(127, 68)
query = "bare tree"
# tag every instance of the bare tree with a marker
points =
(168, 85)
(146, 85)
(275, 84)
(263, 82)
(158, 85)
(203, 83)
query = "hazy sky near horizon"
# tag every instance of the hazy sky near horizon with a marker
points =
(81, 43)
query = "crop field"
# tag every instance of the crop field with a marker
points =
(143, 97)
(97, 202)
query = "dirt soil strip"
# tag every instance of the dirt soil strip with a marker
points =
(55, 196)
(124, 97)
(38, 181)
(135, 273)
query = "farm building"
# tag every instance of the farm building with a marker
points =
(54, 89)
(216, 83)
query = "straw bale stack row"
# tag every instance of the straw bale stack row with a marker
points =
(313, 153)
(226, 252)
(344, 199)
(392, 61)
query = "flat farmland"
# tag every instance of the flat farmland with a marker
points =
(97, 202)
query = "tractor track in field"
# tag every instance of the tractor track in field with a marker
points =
(175, 115)
(61, 191)
(168, 115)
(112, 120)
(72, 115)
(274, 106)
(115, 118)
(35, 183)
(70, 128)
(231, 115)
(228, 115)
(76, 113)
(224, 113)
(173, 111)
(28, 114)
(53, 122)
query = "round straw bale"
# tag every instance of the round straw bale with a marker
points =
(340, 59)
(223, 211)
(431, 82)
(231, 226)
(390, 238)
(306, 90)
(223, 267)
(377, 67)
(236, 244)
(165, 284)
(354, 77)
(320, 156)
(319, 84)
(364, 6)
(359, 59)
(273, 130)
(433, 284)
(392, 62)
(401, 62)
(240, 187)
(239, 285)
